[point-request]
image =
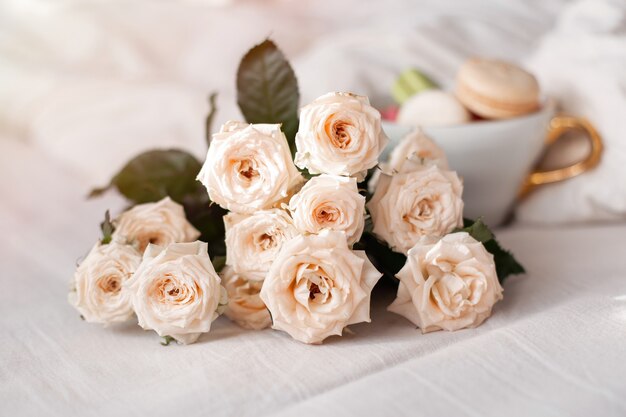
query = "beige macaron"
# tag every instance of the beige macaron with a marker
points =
(496, 89)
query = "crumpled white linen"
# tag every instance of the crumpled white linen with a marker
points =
(582, 63)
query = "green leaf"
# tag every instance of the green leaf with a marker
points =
(477, 229)
(167, 340)
(208, 124)
(208, 219)
(384, 259)
(107, 229)
(218, 263)
(267, 89)
(506, 264)
(156, 174)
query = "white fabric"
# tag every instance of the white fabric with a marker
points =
(93, 82)
(554, 345)
(85, 84)
(582, 63)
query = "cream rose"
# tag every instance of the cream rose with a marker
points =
(414, 150)
(408, 206)
(317, 286)
(415, 147)
(329, 202)
(159, 223)
(249, 167)
(245, 306)
(253, 241)
(98, 292)
(176, 292)
(448, 284)
(340, 134)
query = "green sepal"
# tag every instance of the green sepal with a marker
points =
(107, 228)
(167, 340)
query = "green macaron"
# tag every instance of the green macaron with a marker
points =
(409, 83)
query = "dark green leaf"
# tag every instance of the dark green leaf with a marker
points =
(97, 192)
(506, 264)
(384, 259)
(477, 229)
(107, 229)
(209, 118)
(218, 263)
(267, 89)
(154, 175)
(208, 219)
(363, 185)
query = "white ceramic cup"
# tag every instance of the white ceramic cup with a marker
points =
(495, 158)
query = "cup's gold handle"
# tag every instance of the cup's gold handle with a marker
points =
(558, 126)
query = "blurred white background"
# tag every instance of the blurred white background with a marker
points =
(94, 82)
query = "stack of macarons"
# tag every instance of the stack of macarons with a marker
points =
(485, 89)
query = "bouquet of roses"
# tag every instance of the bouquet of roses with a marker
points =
(276, 232)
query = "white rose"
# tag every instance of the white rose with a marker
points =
(159, 223)
(253, 241)
(414, 150)
(340, 134)
(329, 202)
(245, 306)
(408, 206)
(451, 284)
(249, 167)
(317, 286)
(98, 292)
(176, 292)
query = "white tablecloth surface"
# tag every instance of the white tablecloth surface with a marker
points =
(556, 344)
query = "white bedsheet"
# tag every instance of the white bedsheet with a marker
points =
(83, 86)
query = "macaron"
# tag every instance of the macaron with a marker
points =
(496, 89)
(409, 83)
(432, 108)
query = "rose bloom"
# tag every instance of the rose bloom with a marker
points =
(253, 241)
(448, 284)
(408, 206)
(317, 286)
(245, 306)
(329, 202)
(415, 146)
(176, 292)
(159, 223)
(98, 292)
(340, 134)
(414, 150)
(249, 167)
